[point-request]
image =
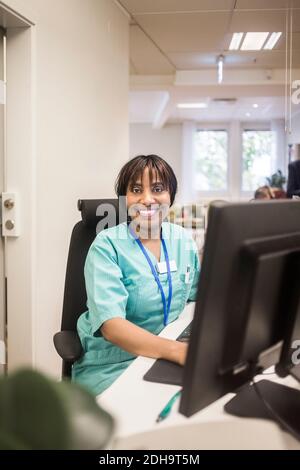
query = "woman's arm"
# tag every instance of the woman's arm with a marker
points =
(140, 342)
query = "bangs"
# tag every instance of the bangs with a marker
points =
(157, 172)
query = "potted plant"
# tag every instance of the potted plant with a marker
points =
(39, 413)
(277, 180)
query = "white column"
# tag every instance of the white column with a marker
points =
(187, 162)
(280, 151)
(235, 160)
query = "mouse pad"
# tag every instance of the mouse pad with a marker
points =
(165, 372)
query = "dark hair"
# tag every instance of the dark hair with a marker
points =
(134, 169)
(264, 192)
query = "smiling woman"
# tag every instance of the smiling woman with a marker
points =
(136, 280)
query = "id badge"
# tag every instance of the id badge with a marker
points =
(162, 267)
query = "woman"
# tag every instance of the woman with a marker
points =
(264, 192)
(139, 276)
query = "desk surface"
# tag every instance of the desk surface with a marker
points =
(135, 404)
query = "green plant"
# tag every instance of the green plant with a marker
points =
(277, 180)
(39, 413)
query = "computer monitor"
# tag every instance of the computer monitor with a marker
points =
(247, 302)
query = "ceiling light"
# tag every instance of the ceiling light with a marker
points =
(191, 105)
(248, 114)
(272, 40)
(220, 68)
(235, 41)
(255, 105)
(254, 41)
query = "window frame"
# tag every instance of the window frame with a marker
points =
(234, 158)
(249, 126)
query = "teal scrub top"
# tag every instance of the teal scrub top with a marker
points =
(120, 284)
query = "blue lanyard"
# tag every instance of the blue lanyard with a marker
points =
(155, 275)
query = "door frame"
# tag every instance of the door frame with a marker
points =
(20, 162)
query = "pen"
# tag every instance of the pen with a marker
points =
(167, 409)
(187, 274)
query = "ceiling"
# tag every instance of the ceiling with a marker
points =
(171, 36)
(144, 108)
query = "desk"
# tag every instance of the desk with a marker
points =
(136, 403)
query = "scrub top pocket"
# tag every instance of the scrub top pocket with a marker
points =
(147, 296)
(142, 298)
(187, 285)
(179, 297)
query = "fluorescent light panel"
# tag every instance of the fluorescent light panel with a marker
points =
(235, 41)
(272, 40)
(254, 41)
(220, 68)
(191, 105)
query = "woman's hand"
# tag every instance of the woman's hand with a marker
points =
(182, 349)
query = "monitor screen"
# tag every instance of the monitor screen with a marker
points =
(247, 298)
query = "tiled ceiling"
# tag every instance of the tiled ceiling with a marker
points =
(261, 4)
(186, 32)
(162, 6)
(169, 35)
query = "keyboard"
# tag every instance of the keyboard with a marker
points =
(167, 372)
(185, 334)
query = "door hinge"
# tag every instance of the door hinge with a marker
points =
(10, 215)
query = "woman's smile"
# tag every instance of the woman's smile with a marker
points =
(148, 213)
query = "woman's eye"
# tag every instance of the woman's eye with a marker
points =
(158, 189)
(136, 190)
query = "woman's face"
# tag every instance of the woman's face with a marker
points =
(147, 202)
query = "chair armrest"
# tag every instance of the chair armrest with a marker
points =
(68, 345)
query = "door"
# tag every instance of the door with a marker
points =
(2, 189)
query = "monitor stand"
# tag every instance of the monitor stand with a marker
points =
(277, 400)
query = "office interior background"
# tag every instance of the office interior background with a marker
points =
(91, 83)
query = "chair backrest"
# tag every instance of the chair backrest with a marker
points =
(84, 232)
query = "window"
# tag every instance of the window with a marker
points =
(231, 160)
(211, 160)
(257, 157)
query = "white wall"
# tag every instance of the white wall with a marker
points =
(165, 142)
(80, 109)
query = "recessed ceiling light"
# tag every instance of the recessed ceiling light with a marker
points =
(255, 105)
(235, 41)
(272, 40)
(254, 41)
(220, 68)
(191, 105)
(248, 114)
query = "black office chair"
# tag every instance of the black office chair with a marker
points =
(67, 342)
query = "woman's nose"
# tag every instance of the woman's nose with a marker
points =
(147, 198)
